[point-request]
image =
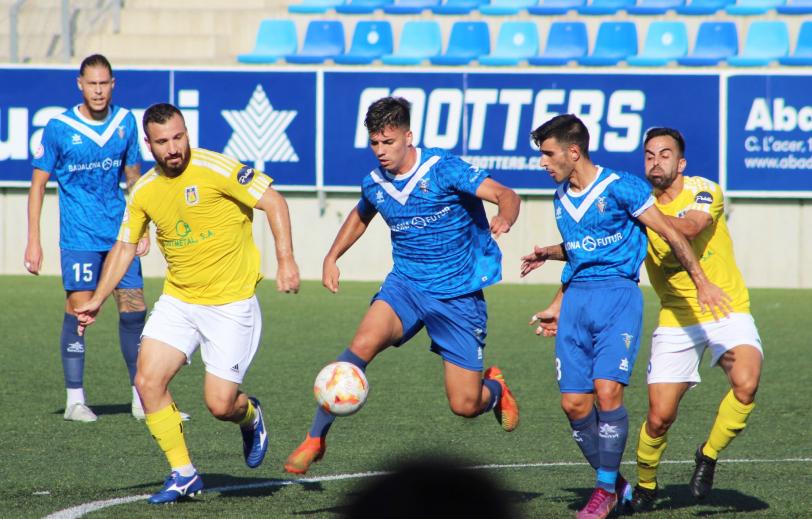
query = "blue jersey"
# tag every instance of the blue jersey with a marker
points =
(441, 240)
(599, 226)
(88, 158)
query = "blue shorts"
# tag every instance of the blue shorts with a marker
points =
(457, 326)
(598, 333)
(81, 270)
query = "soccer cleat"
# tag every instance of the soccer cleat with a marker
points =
(138, 413)
(506, 410)
(255, 438)
(643, 499)
(623, 492)
(310, 451)
(600, 505)
(702, 480)
(80, 413)
(176, 487)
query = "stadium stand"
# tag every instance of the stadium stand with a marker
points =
(275, 40)
(703, 7)
(516, 42)
(410, 6)
(505, 7)
(604, 7)
(794, 7)
(715, 42)
(324, 40)
(419, 41)
(753, 7)
(555, 7)
(566, 42)
(456, 7)
(468, 41)
(362, 6)
(654, 7)
(665, 42)
(370, 41)
(803, 48)
(767, 41)
(313, 6)
(615, 42)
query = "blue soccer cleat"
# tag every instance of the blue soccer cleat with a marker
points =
(176, 487)
(255, 439)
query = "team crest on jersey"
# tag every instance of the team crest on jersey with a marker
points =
(76, 139)
(379, 197)
(601, 204)
(192, 196)
(424, 185)
(627, 339)
(121, 132)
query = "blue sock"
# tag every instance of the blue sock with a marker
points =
(72, 347)
(130, 326)
(612, 443)
(323, 420)
(496, 393)
(585, 434)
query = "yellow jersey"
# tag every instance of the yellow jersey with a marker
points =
(713, 247)
(203, 218)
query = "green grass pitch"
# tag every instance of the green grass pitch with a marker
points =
(49, 465)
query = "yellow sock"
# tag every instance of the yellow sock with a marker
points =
(250, 416)
(730, 421)
(167, 429)
(649, 452)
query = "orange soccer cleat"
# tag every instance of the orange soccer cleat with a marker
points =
(506, 410)
(308, 452)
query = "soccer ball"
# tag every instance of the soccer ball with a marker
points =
(341, 388)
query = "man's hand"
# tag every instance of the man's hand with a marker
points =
(329, 275)
(713, 299)
(33, 258)
(499, 225)
(142, 249)
(86, 315)
(534, 260)
(546, 321)
(287, 277)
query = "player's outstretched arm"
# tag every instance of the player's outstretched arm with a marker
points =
(36, 196)
(546, 321)
(540, 255)
(276, 210)
(710, 297)
(505, 199)
(132, 174)
(353, 228)
(115, 266)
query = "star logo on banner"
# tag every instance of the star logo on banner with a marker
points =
(259, 132)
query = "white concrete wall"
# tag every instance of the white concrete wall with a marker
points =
(773, 239)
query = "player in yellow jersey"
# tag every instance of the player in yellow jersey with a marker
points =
(202, 204)
(695, 207)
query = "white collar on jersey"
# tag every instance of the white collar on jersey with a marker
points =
(83, 126)
(592, 192)
(414, 175)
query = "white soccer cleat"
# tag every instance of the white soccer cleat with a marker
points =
(80, 413)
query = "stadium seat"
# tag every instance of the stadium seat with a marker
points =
(654, 7)
(703, 7)
(370, 41)
(753, 7)
(795, 7)
(605, 7)
(313, 6)
(457, 7)
(803, 49)
(551, 7)
(324, 40)
(505, 7)
(516, 42)
(715, 42)
(275, 40)
(410, 6)
(361, 6)
(566, 41)
(767, 41)
(616, 41)
(468, 41)
(665, 42)
(419, 41)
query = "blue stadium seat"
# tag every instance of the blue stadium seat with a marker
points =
(566, 41)
(361, 6)
(715, 42)
(516, 42)
(505, 7)
(616, 41)
(703, 7)
(551, 7)
(767, 41)
(753, 7)
(370, 41)
(795, 7)
(410, 6)
(803, 49)
(324, 40)
(457, 7)
(653, 7)
(665, 42)
(419, 41)
(605, 7)
(275, 40)
(468, 41)
(314, 6)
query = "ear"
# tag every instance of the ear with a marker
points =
(112, 83)
(79, 83)
(409, 136)
(574, 152)
(681, 165)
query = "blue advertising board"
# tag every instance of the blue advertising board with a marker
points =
(769, 135)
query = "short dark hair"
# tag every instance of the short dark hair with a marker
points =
(566, 129)
(388, 112)
(668, 132)
(159, 113)
(95, 60)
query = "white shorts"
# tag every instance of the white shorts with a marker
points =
(228, 335)
(676, 352)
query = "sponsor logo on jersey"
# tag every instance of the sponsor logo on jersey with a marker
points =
(421, 222)
(379, 197)
(104, 165)
(624, 365)
(182, 229)
(245, 175)
(235, 368)
(192, 197)
(76, 139)
(589, 244)
(627, 339)
(703, 197)
(558, 213)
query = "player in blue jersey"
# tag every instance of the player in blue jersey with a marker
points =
(86, 149)
(444, 255)
(597, 314)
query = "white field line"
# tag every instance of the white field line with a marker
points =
(86, 508)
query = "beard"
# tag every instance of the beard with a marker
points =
(170, 171)
(661, 181)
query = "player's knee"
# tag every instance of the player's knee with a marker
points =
(464, 406)
(745, 389)
(221, 410)
(148, 387)
(576, 409)
(658, 422)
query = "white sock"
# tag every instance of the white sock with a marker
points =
(137, 399)
(75, 396)
(185, 471)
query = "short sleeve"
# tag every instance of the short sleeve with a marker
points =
(634, 194)
(708, 199)
(133, 156)
(365, 208)
(462, 176)
(134, 222)
(46, 155)
(247, 185)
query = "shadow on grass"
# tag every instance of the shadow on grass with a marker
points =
(104, 409)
